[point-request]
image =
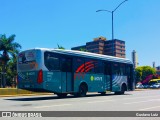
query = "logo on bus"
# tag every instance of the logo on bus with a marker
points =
(92, 78)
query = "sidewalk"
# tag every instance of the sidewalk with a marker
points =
(12, 92)
(9, 92)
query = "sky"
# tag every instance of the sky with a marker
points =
(70, 23)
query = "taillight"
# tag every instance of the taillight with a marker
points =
(40, 77)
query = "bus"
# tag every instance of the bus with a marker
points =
(154, 81)
(73, 72)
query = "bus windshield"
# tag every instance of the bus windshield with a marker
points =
(27, 60)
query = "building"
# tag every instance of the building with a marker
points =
(115, 48)
(134, 59)
(154, 65)
(158, 70)
(102, 46)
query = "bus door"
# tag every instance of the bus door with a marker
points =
(130, 79)
(108, 75)
(66, 75)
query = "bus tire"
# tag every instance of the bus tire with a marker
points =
(82, 90)
(123, 89)
(62, 95)
(103, 93)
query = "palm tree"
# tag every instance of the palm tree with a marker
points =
(9, 49)
(83, 49)
(60, 47)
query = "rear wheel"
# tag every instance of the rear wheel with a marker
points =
(123, 89)
(61, 95)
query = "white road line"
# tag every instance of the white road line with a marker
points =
(100, 101)
(53, 106)
(141, 97)
(139, 102)
(149, 108)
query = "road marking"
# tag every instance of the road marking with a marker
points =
(100, 101)
(53, 106)
(149, 108)
(140, 97)
(139, 102)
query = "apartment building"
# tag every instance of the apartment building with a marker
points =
(106, 47)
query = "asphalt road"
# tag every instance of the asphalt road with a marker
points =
(145, 100)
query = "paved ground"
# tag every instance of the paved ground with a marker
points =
(147, 100)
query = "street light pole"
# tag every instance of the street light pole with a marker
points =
(112, 26)
(112, 12)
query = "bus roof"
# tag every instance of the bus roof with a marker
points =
(86, 54)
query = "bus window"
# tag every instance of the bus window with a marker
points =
(89, 66)
(108, 68)
(66, 65)
(116, 70)
(99, 67)
(52, 62)
(27, 60)
(79, 65)
(128, 71)
(122, 69)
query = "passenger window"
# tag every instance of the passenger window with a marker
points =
(66, 65)
(108, 68)
(122, 69)
(79, 65)
(89, 66)
(99, 67)
(52, 62)
(116, 70)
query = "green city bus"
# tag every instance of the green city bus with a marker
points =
(73, 72)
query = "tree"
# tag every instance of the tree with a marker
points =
(9, 50)
(83, 49)
(144, 71)
(60, 47)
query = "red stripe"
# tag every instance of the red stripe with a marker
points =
(78, 69)
(89, 64)
(89, 68)
(81, 68)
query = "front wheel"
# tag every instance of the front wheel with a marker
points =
(82, 90)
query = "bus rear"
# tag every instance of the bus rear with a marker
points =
(30, 74)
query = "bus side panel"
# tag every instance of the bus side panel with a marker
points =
(52, 81)
(107, 82)
(117, 82)
(69, 82)
(63, 81)
(95, 82)
(58, 82)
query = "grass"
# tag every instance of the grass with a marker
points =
(15, 91)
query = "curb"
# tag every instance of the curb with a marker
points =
(34, 94)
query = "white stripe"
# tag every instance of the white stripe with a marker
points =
(53, 106)
(139, 102)
(100, 101)
(141, 97)
(150, 108)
